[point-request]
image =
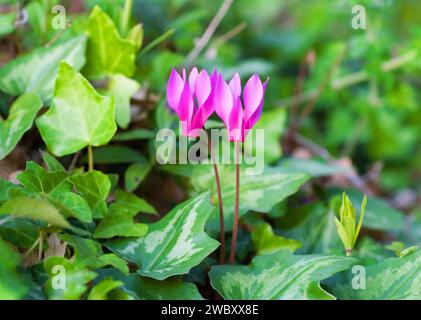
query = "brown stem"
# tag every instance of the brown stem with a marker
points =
(90, 158)
(221, 207)
(237, 202)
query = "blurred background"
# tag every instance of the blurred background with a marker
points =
(344, 96)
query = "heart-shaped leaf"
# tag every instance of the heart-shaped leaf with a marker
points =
(94, 186)
(278, 276)
(78, 116)
(37, 71)
(108, 53)
(174, 244)
(21, 116)
(119, 223)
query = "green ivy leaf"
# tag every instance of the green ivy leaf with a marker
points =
(94, 186)
(116, 154)
(37, 209)
(108, 53)
(12, 286)
(70, 125)
(132, 203)
(21, 116)
(37, 71)
(265, 241)
(102, 289)
(135, 134)
(52, 163)
(174, 244)
(278, 276)
(119, 223)
(390, 279)
(123, 88)
(77, 277)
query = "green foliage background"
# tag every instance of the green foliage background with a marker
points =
(341, 113)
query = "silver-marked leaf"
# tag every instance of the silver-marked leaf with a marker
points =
(108, 53)
(78, 116)
(37, 209)
(390, 279)
(123, 88)
(21, 116)
(174, 244)
(94, 186)
(258, 192)
(278, 276)
(37, 71)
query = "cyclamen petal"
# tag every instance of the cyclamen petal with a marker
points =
(174, 89)
(235, 85)
(186, 104)
(249, 123)
(202, 87)
(253, 96)
(223, 100)
(235, 128)
(192, 79)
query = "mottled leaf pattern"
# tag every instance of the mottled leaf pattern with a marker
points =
(174, 244)
(37, 71)
(278, 276)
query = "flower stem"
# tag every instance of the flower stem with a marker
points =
(237, 202)
(90, 158)
(221, 207)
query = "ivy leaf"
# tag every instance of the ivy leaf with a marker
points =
(21, 116)
(123, 88)
(278, 276)
(94, 186)
(102, 289)
(77, 277)
(116, 154)
(174, 244)
(78, 116)
(54, 187)
(12, 286)
(37, 209)
(132, 203)
(258, 193)
(109, 259)
(390, 279)
(265, 241)
(135, 134)
(119, 223)
(35, 178)
(108, 53)
(37, 71)
(5, 187)
(52, 163)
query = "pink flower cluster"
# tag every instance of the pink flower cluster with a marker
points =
(195, 99)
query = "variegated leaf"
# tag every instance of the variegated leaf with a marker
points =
(278, 276)
(391, 279)
(37, 71)
(174, 244)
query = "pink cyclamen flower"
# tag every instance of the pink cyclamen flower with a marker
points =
(229, 105)
(191, 99)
